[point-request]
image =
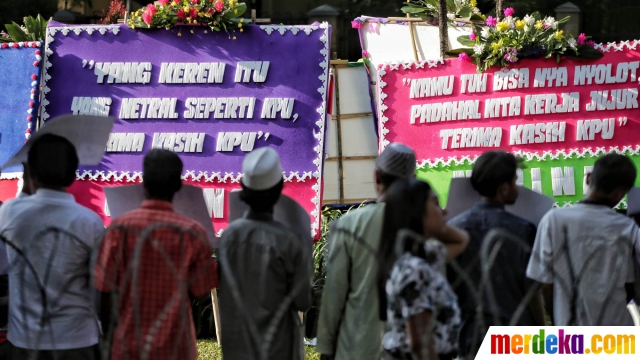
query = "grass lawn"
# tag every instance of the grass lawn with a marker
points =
(210, 350)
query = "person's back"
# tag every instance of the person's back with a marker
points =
(54, 238)
(264, 262)
(508, 267)
(154, 276)
(350, 297)
(152, 259)
(265, 271)
(349, 324)
(584, 254)
(588, 249)
(494, 178)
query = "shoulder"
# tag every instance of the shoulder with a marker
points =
(519, 222)
(364, 213)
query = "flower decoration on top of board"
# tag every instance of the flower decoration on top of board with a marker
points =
(456, 9)
(502, 43)
(216, 14)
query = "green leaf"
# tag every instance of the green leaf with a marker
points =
(413, 10)
(465, 12)
(589, 53)
(16, 33)
(536, 15)
(476, 17)
(564, 20)
(237, 11)
(464, 40)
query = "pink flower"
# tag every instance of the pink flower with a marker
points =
(147, 17)
(365, 54)
(219, 5)
(491, 21)
(193, 13)
(356, 24)
(582, 38)
(163, 2)
(591, 43)
(463, 57)
(181, 15)
(473, 36)
(211, 11)
(509, 11)
(195, 2)
(152, 9)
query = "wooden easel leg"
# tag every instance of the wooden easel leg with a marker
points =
(216, 313)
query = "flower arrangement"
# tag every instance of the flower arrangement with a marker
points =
(216, 14)
(461, 9)
(116, 11)
(34, 29)
(504, 42)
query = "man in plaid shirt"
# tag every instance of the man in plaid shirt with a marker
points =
(152, 259)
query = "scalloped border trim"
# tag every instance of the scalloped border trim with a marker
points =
(128, 176)
(632, 150)
(35, 77)
(136, 176)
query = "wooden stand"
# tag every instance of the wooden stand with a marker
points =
(216, 313)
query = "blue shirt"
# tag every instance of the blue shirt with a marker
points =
(508, 272)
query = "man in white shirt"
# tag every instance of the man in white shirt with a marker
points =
(50, 240)
(584, 254)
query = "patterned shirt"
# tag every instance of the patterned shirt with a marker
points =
(415, 286)
(174, 260)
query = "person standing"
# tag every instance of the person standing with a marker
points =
(422, 309)
(494, 178)
(352, 318)
(584, 254)
(150, 261)
(349, 325)
(265, 271)
(52, 311)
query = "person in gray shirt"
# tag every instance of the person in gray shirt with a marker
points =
(584, 254)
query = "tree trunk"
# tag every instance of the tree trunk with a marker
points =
(499, 9)
(442, 24)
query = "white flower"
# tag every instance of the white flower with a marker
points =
(529, 20)
(451, 16)
(509, 20)
(572, 43)
(478, 49)
(476, 11)
(551, 22)
(485, 32)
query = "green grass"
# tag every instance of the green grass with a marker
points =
(210, 350)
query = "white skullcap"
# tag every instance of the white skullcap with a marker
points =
(261, 169)
(398, 160)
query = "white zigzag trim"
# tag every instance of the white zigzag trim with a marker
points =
(121, 176)
(282, 29)
(561, 154)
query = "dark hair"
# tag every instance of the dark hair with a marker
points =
(491, 170)
(405, 208)
(612, 172)
(386, 179)
(261, 200)
(53, 161)
(161, 173)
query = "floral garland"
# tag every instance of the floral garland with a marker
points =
(216, 14)
(461, 9)
(502, 43)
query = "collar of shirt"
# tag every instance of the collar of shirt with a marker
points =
(53, 195)
(157, 205)
(488, 204)
(259, 216)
